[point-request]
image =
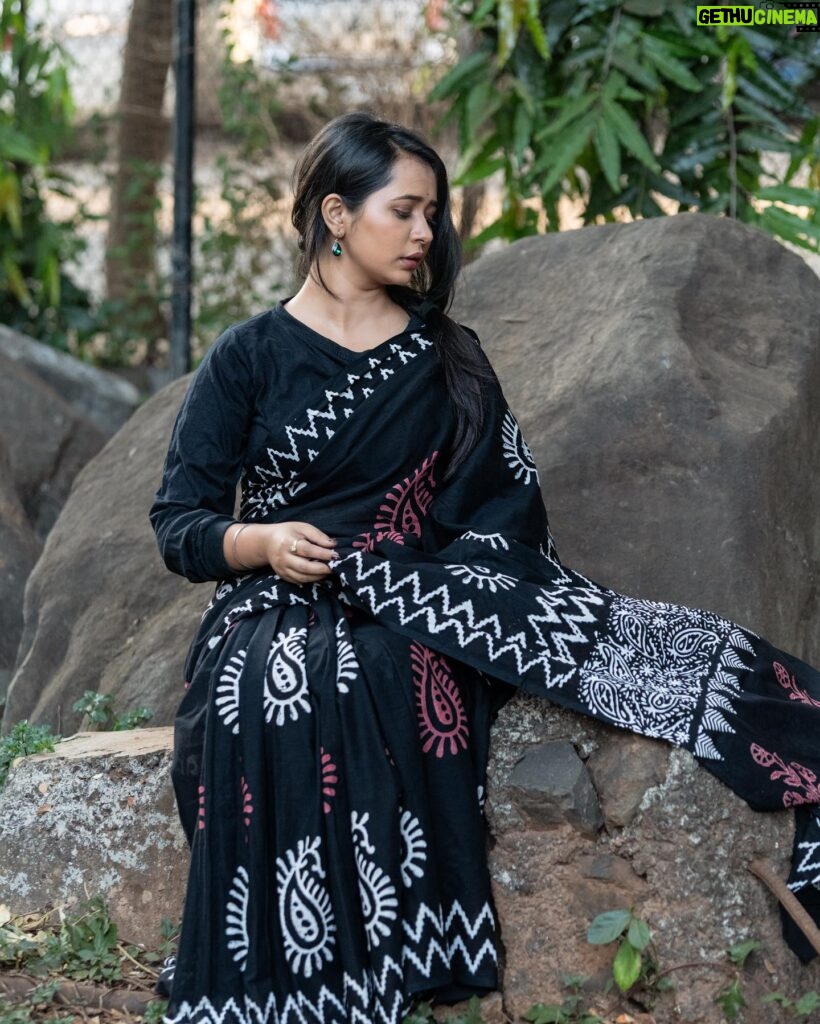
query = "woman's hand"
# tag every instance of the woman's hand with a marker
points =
(257, 545)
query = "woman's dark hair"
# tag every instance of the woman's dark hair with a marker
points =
(353, 155)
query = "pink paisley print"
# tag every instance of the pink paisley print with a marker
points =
(788, 682)
(792, 774)
(442, 720)
(200, 818)
(247, 802)
(403, 508)
(329, 779)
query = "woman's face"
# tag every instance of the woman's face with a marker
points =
(385, 241)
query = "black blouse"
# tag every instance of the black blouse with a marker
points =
(254, 378)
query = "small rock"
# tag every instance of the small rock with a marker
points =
(623, 769)
(552, 786)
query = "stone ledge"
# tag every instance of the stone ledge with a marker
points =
(96, 816)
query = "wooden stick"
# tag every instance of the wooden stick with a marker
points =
(793, 907)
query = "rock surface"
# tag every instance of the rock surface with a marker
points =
(101, 397)
(101, 610)
(44, 441)
(671, 416)
(97, 816)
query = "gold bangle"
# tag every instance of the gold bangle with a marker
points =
(236, 557)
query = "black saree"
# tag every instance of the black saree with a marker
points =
(331, 746)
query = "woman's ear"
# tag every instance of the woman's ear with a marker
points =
(334, 213)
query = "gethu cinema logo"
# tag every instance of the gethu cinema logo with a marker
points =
(804, 16)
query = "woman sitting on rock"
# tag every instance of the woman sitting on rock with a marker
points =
(389, 583)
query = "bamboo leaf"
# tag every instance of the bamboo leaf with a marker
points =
(630, 135)
(790, 226)
(760, 113)
(609, 153)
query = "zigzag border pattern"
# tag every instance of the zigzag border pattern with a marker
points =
(376, 996)
(273, 486)
(722, 690)
(406, 598)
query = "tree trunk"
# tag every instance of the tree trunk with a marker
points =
(142, 143)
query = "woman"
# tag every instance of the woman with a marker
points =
(389, 581)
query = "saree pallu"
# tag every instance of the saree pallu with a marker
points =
(331, 748)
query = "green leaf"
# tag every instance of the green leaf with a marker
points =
(629, 134)
(562, 156)
(674, 69)
(790, 194)
(626, 967)
(607, 927)
(760, 113)
(755, 140)
(638, 933)
(457, 78)
(629, 64)
(791, 227)
(609, 153)
(807, 1004)
(536, 29)
(571, 110)
(508, 21)
(545, 1013)
(731, 1000)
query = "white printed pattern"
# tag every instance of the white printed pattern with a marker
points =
(721, 691)
(517, 452)
(347, 666)
(495, 540)
(480, 575)
(305, 912)
(286, 687)
(377, 893)
(274, 485)
(809, 866)
(647, 673)
(414, 852)
(227, 691)
(236, 918)
(374, 997)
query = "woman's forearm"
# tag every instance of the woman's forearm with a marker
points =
(245, 545)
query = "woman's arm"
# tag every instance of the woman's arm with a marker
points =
(194, 505)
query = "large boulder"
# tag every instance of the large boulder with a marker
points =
(101, 611)
(103, 398)
(44, 441)
(666, 374)
(672, 414)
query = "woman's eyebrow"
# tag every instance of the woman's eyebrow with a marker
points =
(418, 199)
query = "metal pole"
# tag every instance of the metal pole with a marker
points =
(184, 122)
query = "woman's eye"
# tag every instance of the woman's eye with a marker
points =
(403, 214)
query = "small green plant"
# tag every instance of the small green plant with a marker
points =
(22, 740)
(806, 1006)
(730, 998)
(572, 1010)
(423, 1014)
(98, 708)
(632, 935)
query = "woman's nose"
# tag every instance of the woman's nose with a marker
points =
(422, 232)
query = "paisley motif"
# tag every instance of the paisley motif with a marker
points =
(286, 688)
(305, 912)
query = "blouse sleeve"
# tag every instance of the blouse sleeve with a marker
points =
(194, 504)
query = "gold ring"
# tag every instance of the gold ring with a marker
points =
(293, 546)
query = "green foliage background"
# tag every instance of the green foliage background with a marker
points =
(616, 102)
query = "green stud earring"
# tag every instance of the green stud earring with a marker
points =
(336, 249)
